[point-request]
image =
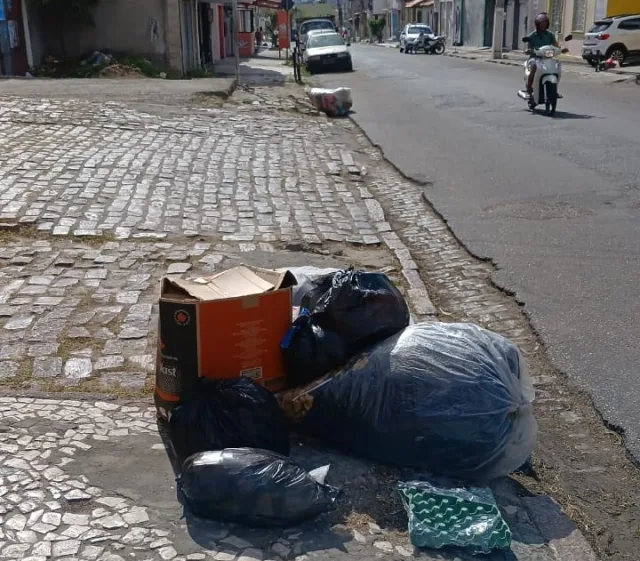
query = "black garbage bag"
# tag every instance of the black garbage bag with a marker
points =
(233, 413)
(453, 399)
(253, 487)
(364, 308)
(307, 279)
(311, 348)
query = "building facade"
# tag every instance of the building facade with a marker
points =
(180, 35)
(575, 17)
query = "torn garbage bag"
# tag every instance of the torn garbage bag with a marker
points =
(453, 399)
(254, 487)
(232, 413)
(307, 278)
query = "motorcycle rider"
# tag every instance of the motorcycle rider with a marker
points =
(539, 38)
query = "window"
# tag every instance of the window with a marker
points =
(630, 24)
(579, 15)
(417, 29)
(600, 26)
(556, 11)
(324, 40)
(245, 21)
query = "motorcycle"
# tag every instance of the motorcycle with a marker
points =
(547, 77)
(433, 44)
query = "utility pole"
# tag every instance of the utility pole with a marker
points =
(498, 30)
(236, 39)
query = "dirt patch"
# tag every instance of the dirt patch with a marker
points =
(120, 71)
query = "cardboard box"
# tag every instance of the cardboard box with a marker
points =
(224, 326)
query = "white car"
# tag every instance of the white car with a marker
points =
(325, 51)
(617, 37)
(312, 26)
(412, 31)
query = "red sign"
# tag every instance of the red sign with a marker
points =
(284, 38)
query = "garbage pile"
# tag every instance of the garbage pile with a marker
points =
(248, 353)
(334, 102)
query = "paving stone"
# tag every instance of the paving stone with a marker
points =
(178, 268)
(8, 369)
(132, 333)
(18, 322)
(78, 368)
(17, 522)
(66, 547)
(108, 362)
(136, 516)
(251, 555)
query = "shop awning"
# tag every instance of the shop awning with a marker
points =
(271, 4)
(419, 3)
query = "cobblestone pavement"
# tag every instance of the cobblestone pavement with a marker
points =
(96, 203)
(74, 168)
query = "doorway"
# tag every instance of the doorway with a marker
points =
(228, 31)
(204, 15)
(13, 49)
(490, 9)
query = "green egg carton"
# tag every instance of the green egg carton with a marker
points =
(453, 516)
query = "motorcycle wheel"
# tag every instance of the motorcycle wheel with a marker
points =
(438, 49)
(551, 98)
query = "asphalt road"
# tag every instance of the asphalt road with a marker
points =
(555, 203)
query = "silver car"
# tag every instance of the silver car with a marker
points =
(411, 32)
(327, 51)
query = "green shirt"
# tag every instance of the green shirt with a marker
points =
(539, 40)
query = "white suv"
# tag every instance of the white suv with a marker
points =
(617, 37)
(412, 31)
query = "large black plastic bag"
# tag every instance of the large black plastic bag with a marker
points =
(311, 349)
(363, 307)
(253, 487)
(453, 399)
(228, 414)
(307, 278)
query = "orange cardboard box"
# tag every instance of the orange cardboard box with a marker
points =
(224, 326)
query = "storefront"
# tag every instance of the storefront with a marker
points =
(13, 43)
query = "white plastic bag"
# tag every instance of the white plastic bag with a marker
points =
(334, 102)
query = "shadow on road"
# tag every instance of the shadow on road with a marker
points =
(572, 116)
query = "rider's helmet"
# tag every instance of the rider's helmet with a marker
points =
(542, 21)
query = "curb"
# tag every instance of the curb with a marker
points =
(223, 93)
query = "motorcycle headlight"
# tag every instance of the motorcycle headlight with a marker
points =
(549, 54)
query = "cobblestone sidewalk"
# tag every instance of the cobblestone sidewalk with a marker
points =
(96, 203)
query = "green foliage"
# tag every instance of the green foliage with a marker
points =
(376, 26)
(73, 12)
(272, 27)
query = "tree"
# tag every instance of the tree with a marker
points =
(272, 28)
(376, 26)
(66, 15)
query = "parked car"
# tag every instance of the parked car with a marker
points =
(617, 37)
(314, 25)
(411, 32)
(327, 50)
